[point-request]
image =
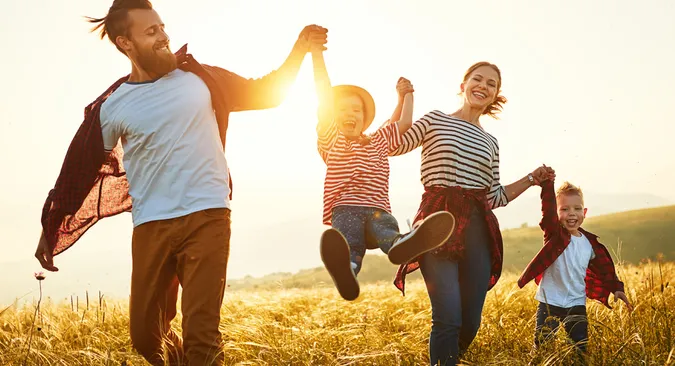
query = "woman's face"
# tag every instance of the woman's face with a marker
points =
(481, 88)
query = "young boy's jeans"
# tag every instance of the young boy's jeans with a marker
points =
(360, 224)
(574, 319)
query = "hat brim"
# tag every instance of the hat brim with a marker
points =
(368, 101)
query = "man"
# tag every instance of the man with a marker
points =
(171, 115)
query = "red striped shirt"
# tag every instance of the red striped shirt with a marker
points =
(357, 174)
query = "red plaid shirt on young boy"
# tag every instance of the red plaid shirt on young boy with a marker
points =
(601, 279)
(457, 201)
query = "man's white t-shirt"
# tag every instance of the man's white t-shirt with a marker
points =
(564, 282)
(173, 154)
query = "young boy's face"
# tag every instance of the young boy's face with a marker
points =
(571, 211)
(349, 115)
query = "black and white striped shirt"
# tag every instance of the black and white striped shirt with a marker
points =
(456, 153)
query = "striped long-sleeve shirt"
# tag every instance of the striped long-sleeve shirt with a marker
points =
(456, 153)
(357, 174)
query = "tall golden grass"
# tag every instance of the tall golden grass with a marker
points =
(316, 327)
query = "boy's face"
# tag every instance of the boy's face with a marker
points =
(349, 115)
(571, 211)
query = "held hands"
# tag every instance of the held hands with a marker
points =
(543, 174)
(620, 295)
(403, 87)
(312, 38)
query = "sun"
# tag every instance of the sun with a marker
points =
(301, 100)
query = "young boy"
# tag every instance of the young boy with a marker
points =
(356, 188)
(571, 266)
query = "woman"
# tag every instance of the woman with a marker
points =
(460, 173)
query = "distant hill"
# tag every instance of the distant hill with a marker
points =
(642, 233)
(526, 209)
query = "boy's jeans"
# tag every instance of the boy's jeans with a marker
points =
(359, 224)
(574, 319)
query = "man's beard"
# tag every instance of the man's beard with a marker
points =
(156, 62)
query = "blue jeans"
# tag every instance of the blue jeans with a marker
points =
(360, 224)
(457, 292)
(574, 320)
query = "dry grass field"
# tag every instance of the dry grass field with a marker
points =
(315, 327)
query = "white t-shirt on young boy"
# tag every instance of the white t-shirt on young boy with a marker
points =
(564, 282)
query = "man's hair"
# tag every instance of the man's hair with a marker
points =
(116, 22)
(569, 189)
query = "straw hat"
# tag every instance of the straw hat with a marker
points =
(368, 102)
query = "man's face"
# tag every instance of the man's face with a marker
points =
(148, 45)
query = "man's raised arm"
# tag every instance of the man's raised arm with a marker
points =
(270, 90)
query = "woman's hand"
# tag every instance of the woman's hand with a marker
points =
(543, 174)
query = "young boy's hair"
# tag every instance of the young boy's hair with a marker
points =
(569, 189)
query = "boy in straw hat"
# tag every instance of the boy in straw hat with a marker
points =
(356, 187)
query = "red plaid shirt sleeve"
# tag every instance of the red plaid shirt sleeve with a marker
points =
(549, 223)
(555, 240)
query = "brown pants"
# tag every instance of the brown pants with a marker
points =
(191, 251)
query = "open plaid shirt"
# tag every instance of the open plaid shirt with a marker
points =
(601, 278)
(457, 201)
(91, 187)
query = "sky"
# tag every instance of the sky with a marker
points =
(590, 87)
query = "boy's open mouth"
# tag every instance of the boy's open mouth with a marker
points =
(349, 124)
(572, 222)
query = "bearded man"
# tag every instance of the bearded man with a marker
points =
(171, 115)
